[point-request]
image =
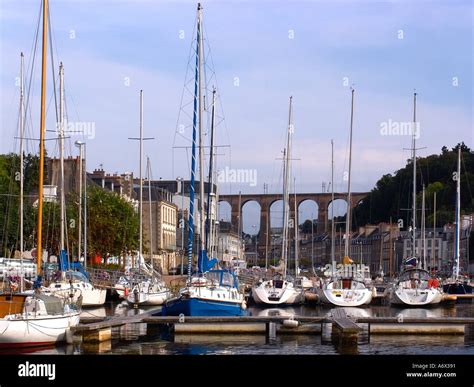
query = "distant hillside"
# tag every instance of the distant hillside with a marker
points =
(392, 195)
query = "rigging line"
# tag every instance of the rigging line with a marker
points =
(50, 33)
(12, 105)
(9, 203)
(221, 109)
(230, 166)
(30, 69)
(172, 162)
(70, 96)
(66, 113)
(188, 70)
(66, 118)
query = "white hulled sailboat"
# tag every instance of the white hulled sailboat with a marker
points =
(151, 290)
(281, 289)
(457, 284)
(415, 286)
(91, 295)
(346, 287)
(36, 319)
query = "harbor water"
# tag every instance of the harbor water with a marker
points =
(132, 339)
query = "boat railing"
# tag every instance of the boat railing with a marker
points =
(105, 277)
(71, 298)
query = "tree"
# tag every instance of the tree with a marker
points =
(307, 227)
(113, 223)
(392, 195)
(10, 201)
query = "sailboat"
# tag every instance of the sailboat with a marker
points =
(415, 286)
(91, 295)
(209, 292)
(150, 290)
(281, 289)
(457, 284)
(347, 286)
(36, 319)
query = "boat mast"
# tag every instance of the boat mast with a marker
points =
(312, 242)
(332, 205)
(348, 220)
(85, 207)
(433, 250)
(148, 168)
(215, 228)
(140, 193)
(22, 167)
(210, 195)
(458, 209)
(285, 221)
(423, 236)
(239, 226)
(22, 135)
(193, 150)
(286, 206)
(39, 248)
(201, 135)
(61, 161)
(390, 251)
(140, 205)
(296, 231)
(413, 246)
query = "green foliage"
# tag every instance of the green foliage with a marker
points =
(307, 227)
(10, 201)
(112, 221)
(113, 224)
(392, 194)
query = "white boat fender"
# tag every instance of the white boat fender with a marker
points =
(290, 323)
(374, 292)
(243, 305)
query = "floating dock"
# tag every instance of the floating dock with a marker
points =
(343, 328)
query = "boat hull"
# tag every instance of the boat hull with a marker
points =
(416, 297)
(271, 296)
(142, 298)
(201, 307)
(91, 296)
(457, 288)
(346, 297)
(36, 331)
(94, 297)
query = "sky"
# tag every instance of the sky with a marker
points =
(263, 52)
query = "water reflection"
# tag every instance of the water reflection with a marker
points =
(133, 338)
(96, 312)
(66, 349)
(420, 313)
(416, 344)
(270, 312)
(91, 348)
(222, 339)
